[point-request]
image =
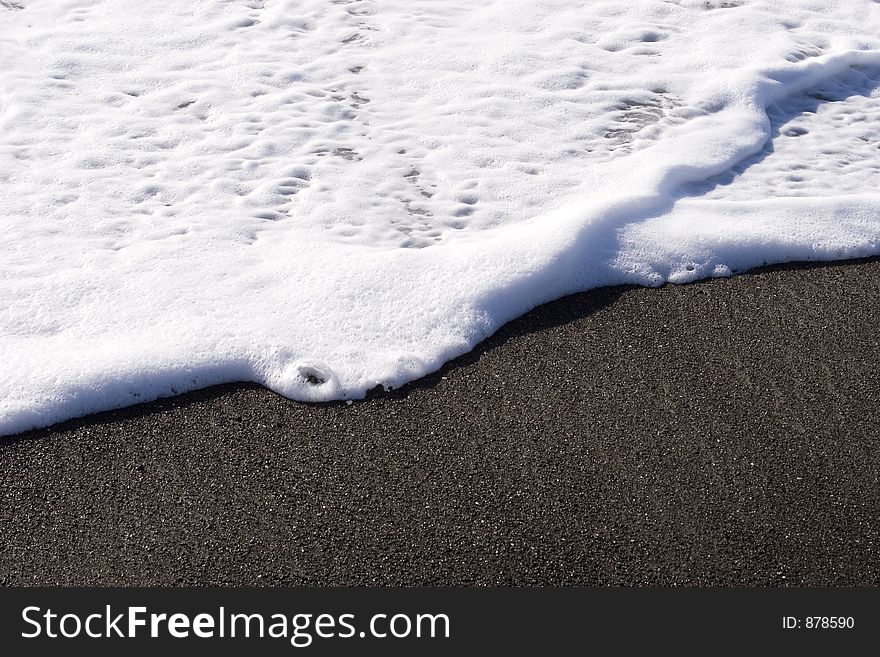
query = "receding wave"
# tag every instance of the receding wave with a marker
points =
(324, 196)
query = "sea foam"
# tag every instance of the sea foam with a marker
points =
(324, 196)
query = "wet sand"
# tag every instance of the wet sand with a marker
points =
(725, 432)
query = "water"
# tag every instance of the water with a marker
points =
(325, 196)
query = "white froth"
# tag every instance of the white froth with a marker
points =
(324, 196)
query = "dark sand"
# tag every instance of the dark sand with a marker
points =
(725, 432)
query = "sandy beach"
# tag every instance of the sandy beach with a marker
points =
(721, 433)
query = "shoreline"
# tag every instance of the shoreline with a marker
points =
(724, 432)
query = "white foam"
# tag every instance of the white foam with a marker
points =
(324, 196)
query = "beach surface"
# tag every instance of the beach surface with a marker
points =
(719, 433)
